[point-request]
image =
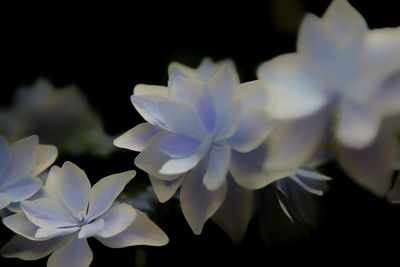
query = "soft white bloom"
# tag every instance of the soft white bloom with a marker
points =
(197, 131)
(59, 116)
(20, 163)
(74, 211)
(342, 67)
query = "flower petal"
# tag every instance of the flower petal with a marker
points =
(248, 171)
(164, 190)
(150, 90)
(223, 83)
(23, 154)
(217, 167)
(116, 220)
(181, 118)
(141, 232)
(147, 107)
(371, 167)
(25, 249)
(105, 191)
(46, 213)
(254, 127)
(70, 186)
(137, 138)
(48, 233)
(388, 98)
(178, 145)
(4, 201)
(176, 69)
(75, 252)
(253, 94)
(21, 225)
(236, 211)
(358, 124)
(45, 156)
(182, 165)
(198, 203)
(228, 120)
(91, 229)
(21, 188)
(295, 92)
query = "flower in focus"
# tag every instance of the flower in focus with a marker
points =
(73, 211)
(342, 67)
(20, 164)
(59, 116)
(195, 130)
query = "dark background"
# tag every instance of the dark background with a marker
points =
(107, 49)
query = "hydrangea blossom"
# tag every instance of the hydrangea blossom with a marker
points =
(73, 211)
(20, 163)
(60, 116)
(342, 66)
(196, 130)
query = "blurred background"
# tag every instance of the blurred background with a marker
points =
(106, 50)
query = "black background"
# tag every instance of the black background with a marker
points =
(107, 49)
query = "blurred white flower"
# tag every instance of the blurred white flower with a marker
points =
(59, 116)
(20, 164)
(340, 66)
(197, 129)
(74, 211)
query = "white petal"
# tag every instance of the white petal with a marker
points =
(388, 98)
(21, 225)
(313, 175)
(48, 233)
(105, 191)
(70, 186)
(45, 156)
(382, 49)
(24, 154)
(182, 165)
(176, 69)
(228, 120)
(4, 201)
(248, 171)
(25, 249)
(236, 211)
(358, 124)
(141, 232)
(198, 203)
(207, 68)
(295, 92)
(178, 145)
(137, 138)
(164, 190)
(5, 159)
(21, 188)
(151, 159)
(147, 106)
(253, 93)
(46, 213)
(294, 142)
(150, 90)
(117, 219)
(181, 118)
(75, 252)
(254, 127)
(217, 167)
(372, 166)
(91, 229)
(223, 83)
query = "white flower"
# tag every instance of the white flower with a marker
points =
(74, 211)
(20, 163)
(60, 116)
(198, 127)
(343, 67)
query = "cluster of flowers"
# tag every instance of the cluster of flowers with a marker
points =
(219, 141)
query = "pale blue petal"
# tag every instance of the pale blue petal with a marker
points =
(75, 252)
(164, 190)
(21, 225)
(105, 191)
(23, 152)
(137, 138)
(141, 232)
(21, 188)
(236, 211)
(223, 83)
(148, 108)
(228, 120)
(48, 233)
(254, 93)
(178, 145)
(217, 167)
(70, 186)
(91, 229)
(198, 203)
(45, 155)
(116, 220)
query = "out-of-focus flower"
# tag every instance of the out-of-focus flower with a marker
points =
(197, 129)
(342, 67)
(74, 211)
(58, 116)
(20, 164)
